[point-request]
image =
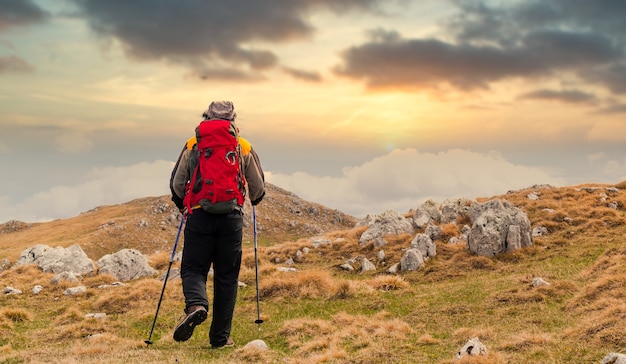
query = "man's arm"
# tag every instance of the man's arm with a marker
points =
(254, 177)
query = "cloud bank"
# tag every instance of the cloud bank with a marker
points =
(399, 180)
(403, 179)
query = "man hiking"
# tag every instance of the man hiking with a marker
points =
(210, 180)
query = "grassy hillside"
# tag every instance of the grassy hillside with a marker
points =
(322, 314)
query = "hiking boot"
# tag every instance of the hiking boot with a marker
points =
(194, 316)
(229, 343)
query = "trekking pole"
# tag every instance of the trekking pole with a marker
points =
(148, 341)
(258, 321)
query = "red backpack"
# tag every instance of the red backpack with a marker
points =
(217, 183)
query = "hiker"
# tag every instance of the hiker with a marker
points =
(213, 228)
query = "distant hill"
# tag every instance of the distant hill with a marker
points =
(149, 224)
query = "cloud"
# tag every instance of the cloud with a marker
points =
(14, 64)
(212, 38)
(15, 13)
(566, 96)
(310, 76)
(482, 45)
(402, 179)
(104, 186)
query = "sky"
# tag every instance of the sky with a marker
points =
(360, 105)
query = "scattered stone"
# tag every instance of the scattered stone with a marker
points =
(97, 316)
(4, 265)
(424, 244)
(8, 290)
(539, 231)
(411, 260)
(366, 265)
(174, 274)
(472, 348)
(256, 344)
(65, 277)
(112, 285)
(58, 260)
(380, 256)
(614, 358)
(532, 196)
(347, 267)
(289, 261)
(394, 268)
(74, 291)
(380, 242)
(299, 256)
(320, 242)
(126, 265)
(37, 289)
(538, 281)
(287, 269)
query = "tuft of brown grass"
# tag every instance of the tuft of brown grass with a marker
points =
(427, 339)
(388, 282)
(449, 230)
(527, 340)
(16, 314)
(316, 340)
(305, 284)
(461, 335)
(159, 260)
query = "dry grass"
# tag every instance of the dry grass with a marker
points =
(345, 337)
(322, 314)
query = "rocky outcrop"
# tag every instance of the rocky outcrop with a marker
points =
(497, 227)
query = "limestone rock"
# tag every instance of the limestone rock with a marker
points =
(57, 260)
(126, 265)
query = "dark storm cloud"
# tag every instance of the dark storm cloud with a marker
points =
(567, 96)
(20, 12)
(209, 36)
(526, 40)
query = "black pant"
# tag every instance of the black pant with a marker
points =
(213, 239)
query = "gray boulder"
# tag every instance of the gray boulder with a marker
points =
(425, 245)
(427, 213)
(58, 260)
(126, 265)
(472, 348)
(411, 260)
(388, 223)
(453, 209)
(500, 227)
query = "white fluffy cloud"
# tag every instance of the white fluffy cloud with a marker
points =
(104, 186)
(399, 180)
(403, 179)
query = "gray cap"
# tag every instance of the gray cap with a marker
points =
(220, 110)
